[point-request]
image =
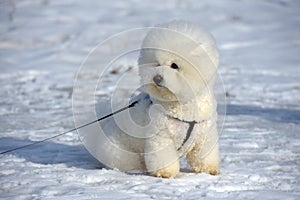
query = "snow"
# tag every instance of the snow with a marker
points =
(42, 44)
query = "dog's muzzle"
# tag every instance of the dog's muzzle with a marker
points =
(157, 80)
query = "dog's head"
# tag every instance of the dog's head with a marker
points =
(177, 61)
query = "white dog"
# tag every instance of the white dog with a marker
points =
(175, 115)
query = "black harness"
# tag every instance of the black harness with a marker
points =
(189, 131)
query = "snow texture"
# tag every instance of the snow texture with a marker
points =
(42, 44)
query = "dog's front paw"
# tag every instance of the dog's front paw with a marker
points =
(207, 168)
(210, 164)
(167, 172)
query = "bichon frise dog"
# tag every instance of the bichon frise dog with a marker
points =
(175, 115)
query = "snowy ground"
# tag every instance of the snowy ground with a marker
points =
(42, 44)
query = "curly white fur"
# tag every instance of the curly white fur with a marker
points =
(183, 94)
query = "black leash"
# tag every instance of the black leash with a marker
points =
(187, 136)
(74, 129)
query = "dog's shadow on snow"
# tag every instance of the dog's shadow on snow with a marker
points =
(51, 153)
(76, 156)
(282, 115)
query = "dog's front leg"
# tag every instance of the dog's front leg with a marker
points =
(161, 157)
(204, 157)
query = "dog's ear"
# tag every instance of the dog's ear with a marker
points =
(197, 51)
(210, 51)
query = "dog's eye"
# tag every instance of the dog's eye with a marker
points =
(174, 66)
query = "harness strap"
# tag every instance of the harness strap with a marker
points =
(190, 129)
(188, 133)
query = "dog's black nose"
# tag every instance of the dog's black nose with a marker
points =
(158, 79)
